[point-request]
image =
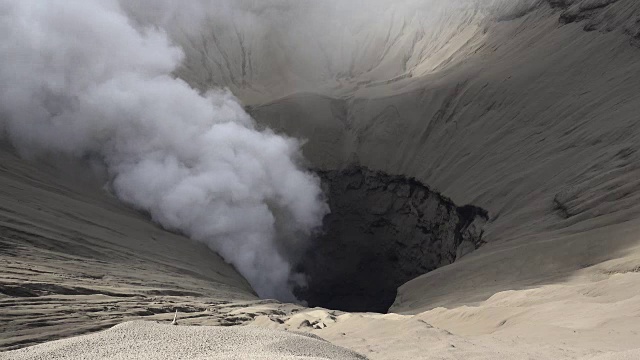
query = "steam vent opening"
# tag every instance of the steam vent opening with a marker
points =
(383, 231)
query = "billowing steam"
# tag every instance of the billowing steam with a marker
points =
(80, 77)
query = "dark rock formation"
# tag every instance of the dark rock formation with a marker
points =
(601, 15)
(560, 4)
(383, 231)
(576, 11)
(583, 10)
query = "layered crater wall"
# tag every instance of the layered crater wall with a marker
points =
(513, 109)
(538, 126)
(76, 260)
(277, 48)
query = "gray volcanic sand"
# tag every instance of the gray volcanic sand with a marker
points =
(149, 341)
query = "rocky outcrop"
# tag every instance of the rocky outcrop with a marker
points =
(601, 15)
(383, 230)
(581, 10)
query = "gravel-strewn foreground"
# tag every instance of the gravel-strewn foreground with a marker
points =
(149, 340)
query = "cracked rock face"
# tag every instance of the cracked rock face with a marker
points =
(382, 232)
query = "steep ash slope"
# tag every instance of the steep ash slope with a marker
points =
(75, 260)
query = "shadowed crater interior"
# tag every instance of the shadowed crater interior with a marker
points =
(382, 232)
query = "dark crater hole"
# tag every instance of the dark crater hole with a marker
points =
(383, 231)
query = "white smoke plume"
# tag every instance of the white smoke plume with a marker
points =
(80, 77)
